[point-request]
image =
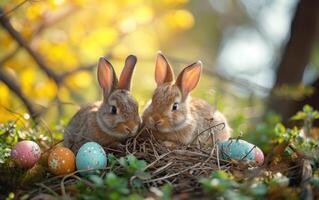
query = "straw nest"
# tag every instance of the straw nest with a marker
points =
(180, 165)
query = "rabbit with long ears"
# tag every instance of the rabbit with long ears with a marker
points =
(111, 120)
(174, 116)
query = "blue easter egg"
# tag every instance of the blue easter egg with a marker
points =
(91, 155)
(237, 149)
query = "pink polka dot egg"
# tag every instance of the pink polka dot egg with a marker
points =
(26, 153)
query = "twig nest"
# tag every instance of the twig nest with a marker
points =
(237, 149)
(26, 153)
(91, 156)
(61, 161)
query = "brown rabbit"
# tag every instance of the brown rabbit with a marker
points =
(113, 119)
(175, 117)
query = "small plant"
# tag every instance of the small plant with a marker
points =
(296, 138)
(111, 187)
(308, 115)
(221, 184)
(124, 181)
(11, 133)
(262, 133)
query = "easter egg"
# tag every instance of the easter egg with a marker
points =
(26, 153)
(61, 161)
(237, 149)
(91, 155)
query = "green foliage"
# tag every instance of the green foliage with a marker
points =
(124, 181)
(131, 164)
(8, 137)
(10, 196)
(296, 92)
(221, 184)
(263, 133)
(315, 181)
(299, 139)
(111, 187)
(167, 191)
(11, 133)
(135, 170)
(308, 115)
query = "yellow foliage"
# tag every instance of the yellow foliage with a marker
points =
(54, 4)
(180, 20)
(45, 91)
(174, 2)
(42, 91)
(120, 51)
(80, 80)
(34, 11)
(144, 14)
(128, 25)
(64, 93)
(148, 38)
(94, 28)
(4, 95)
(6, 40)
(27, 79)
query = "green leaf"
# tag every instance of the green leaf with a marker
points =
(96, 180)
(258, 189)
(115, 183)
(299, 116)
(112, 161)
(280, 129)
(307, 108)
(143, 175)
(167, 190)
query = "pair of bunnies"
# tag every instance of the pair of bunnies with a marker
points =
(172, 115)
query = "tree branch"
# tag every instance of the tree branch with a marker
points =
(4, 21)
(9, 55)
(14, 87)
(54, 18)
(89, 67)
(14, 8)
(226, 77)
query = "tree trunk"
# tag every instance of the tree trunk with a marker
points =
(303, 34)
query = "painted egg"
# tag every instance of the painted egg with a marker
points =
(26, 153)
(91, 155)
(237, 149)
(61, 161)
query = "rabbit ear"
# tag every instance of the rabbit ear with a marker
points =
(106, 76)
(188, 78)
(163, 71)
(127, 72)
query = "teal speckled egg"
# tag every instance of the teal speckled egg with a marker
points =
(91, 155)
(237, 149)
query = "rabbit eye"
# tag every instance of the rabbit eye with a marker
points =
(175, 106)
(113, 110)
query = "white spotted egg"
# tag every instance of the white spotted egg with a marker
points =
(238, 149)
(91, 157)
(26, 153)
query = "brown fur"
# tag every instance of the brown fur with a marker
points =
(83, 127)
(193, 115)
(97, 122)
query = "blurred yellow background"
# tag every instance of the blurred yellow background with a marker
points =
(236, 41)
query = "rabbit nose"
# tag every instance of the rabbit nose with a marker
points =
(155, 118)
(158, 123)
(128, 130)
